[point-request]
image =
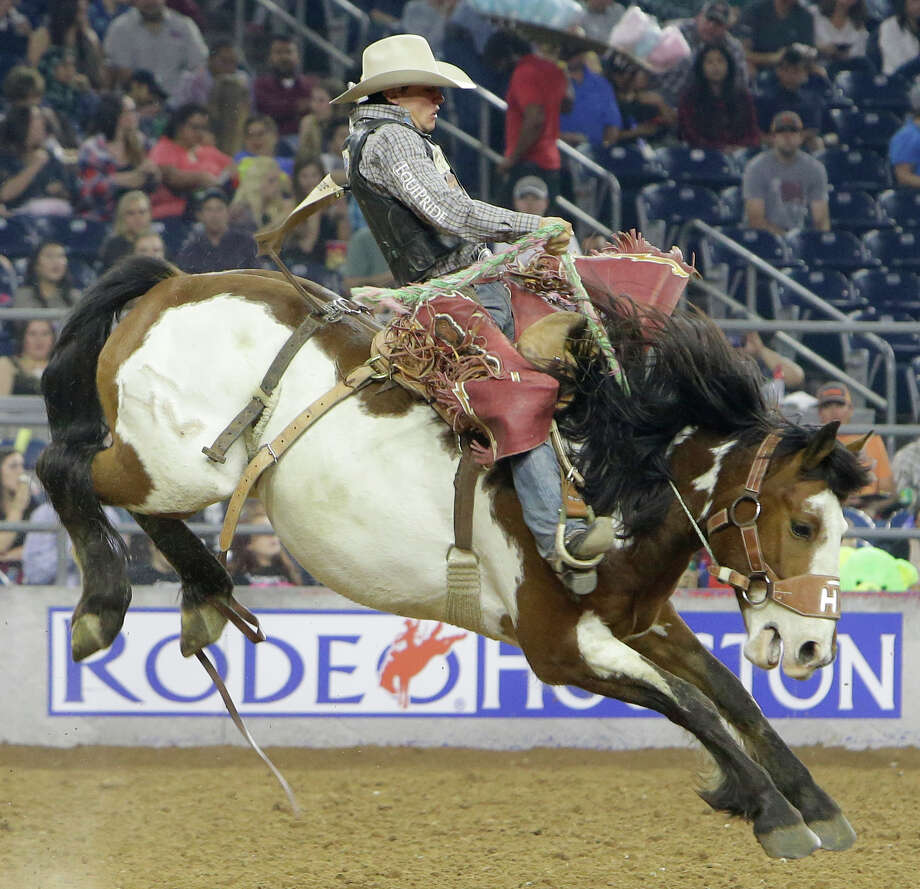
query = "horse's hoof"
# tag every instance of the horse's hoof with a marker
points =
(790, 841)
(835, 833)
(201, 626)
(87, 636)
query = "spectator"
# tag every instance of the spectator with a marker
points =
(260, 201)
(47, 283)
(787, 89)
(68, 27)
(840, 29)
(260, 139)
(149, 98)
(365, 265)
(212, 245)
(68, 94)
(20, 374)
(335, 135)
(898, 35)
(150, 243)
(646, 113)
(904, 149)
(538, 93)
(780, 372)
(102, 12)
(531, 195)
(783, 186)
(229, 105)
(148, 566)
(283, 92)
(770, 26)
(708, 28)
(132, 218)
(313, 123)
(32, 179)
(713, 111)
(16, 505)
(113, 159)
(196, 85)
(187, 163)
(155, 39)
(835, 403)
(600, 17)
(40, 550)
(259, 559)
(23, 85)
(595, 116)
(15, 29)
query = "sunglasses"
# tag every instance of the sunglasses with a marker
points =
(788, 129)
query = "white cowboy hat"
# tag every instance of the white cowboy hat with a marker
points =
(402, 60)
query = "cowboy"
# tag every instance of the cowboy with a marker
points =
(427, 226)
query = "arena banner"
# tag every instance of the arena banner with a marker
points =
(336, 663)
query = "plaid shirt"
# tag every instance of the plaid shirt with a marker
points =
(98, 191)
(395, 160)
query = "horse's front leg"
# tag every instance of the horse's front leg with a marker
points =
(675, 648)
(591, 657)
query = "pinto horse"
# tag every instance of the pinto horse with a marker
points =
(364, 500)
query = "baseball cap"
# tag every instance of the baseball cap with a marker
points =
(717, 11)
(530, 185)
(786, 120)
(833, 393)
(209, 193)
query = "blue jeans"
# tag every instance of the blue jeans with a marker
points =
(535, 473)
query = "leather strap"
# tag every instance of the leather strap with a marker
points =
(270, 453)
(465, 496)
(250, 414)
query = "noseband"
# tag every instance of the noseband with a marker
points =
(811, 595)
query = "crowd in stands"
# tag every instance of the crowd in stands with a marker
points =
(140, 127)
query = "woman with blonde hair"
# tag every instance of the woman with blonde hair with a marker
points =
(260, 201)
(132, 218)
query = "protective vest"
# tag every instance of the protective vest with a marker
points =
(410, 246)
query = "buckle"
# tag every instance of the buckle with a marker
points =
(733, 517)
(768, 593)
(334, 311)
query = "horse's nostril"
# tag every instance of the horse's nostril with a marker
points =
(808, 653)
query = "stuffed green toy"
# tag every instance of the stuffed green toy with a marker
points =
(870, 568)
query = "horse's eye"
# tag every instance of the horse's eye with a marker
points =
(801, 529)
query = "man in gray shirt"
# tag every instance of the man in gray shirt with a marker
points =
(784, 187)
(156, 39)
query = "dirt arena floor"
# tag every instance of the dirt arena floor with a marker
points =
(395, 818)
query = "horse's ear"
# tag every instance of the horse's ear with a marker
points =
(820, 446)
(854, 447)
(546, 340)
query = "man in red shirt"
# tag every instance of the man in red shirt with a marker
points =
(538, 93)
(283, 93)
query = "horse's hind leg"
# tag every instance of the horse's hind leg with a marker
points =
(682, 654)
(205, 582)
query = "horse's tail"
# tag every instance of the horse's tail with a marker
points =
(78, 429)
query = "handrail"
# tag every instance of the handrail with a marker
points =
(888, 403)
(301, 29)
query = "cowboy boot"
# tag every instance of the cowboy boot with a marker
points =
(578, 555)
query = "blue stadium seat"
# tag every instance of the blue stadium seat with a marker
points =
(873, 91)
(894, 248)
(855, 170)
(699, 166)
(82, 238)
(889, 291)
(831, 285)
(902, 206)
(834, 249)
(764, 244)
(856, 211)
(174, 231)
(82, 271)
(18, 237)
(858, 128)
(733, 204)
(633, 165)
(665, 207)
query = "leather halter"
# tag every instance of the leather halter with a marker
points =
(811, 595)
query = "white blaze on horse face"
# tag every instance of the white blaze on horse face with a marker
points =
(771, 624)
(607, 656)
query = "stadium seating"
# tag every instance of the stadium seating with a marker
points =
(855, 170)
(857, 128)
(834, 249)
(889, 291)
(699, 166)
(173, 231)
(902, 206)
(81, 238)
(856, 211)
(831, 285)
(870, 91)
(18, 237)
(732, 204)
(663, 208)
(893, 248)
(633, 165)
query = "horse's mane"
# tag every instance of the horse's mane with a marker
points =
(681, 371)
